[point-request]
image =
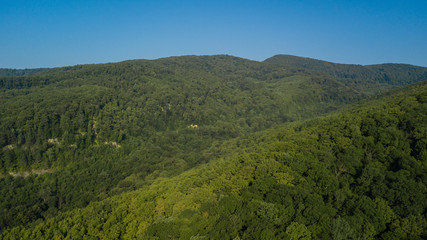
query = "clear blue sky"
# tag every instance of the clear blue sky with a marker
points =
(50, 33)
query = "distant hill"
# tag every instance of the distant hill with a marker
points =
(369, 76)
(8, 72)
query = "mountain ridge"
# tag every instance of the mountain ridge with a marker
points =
(22, 71)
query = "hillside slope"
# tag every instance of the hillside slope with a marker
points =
(77, 135)
(357, 174)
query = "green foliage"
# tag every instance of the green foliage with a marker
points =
(298, 231)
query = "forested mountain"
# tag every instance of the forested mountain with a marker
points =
(8, 72)
(209, 147)
(382, 76)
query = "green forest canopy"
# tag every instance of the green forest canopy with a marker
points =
(121, 156)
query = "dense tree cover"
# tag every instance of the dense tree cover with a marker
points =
(91, 128)
(378, 77)
(357, 174)
(8, 72)
(88, 136)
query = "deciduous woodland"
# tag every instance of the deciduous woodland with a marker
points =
(214, 147)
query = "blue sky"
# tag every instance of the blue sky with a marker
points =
(60, 33)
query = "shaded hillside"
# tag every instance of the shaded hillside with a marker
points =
(357, 174)
(8, 72)
(378, 76)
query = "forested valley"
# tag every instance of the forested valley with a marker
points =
(214, 147)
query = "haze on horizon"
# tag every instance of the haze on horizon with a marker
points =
(57, 33)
